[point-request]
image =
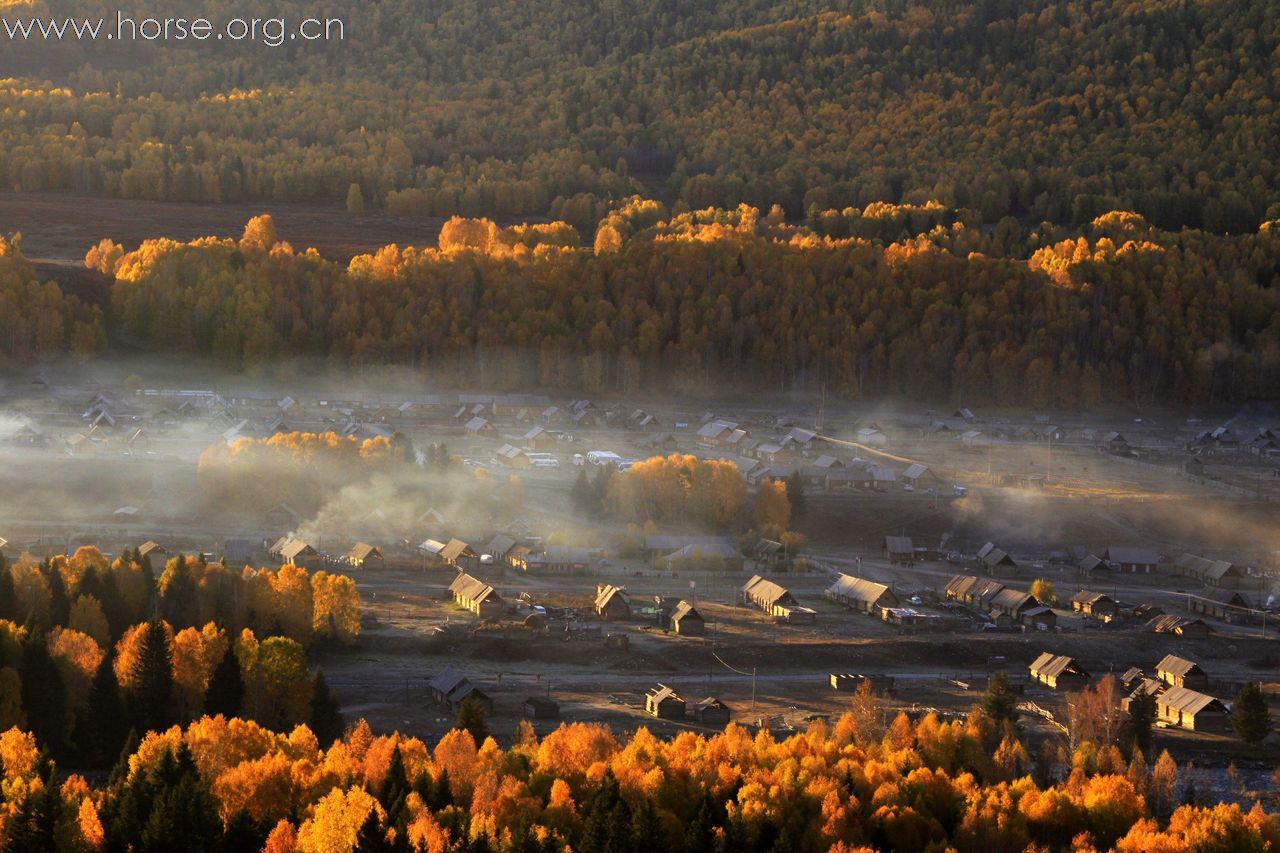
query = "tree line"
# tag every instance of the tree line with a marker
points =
(90, 650)
(1054, 110)
(868, 780)
(1120, 312)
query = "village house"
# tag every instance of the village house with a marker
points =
(282, 517)
(767, 552)
(861, 595)
(664, 703)
(1009, 605)
(237, 552)
(460, 554)
(476, 595)
(500, 548)
(1224, 604)
(711, 712)
(713, 557)
(432, 551)
(775, 600)
(687, 621)
(919, 476)
(510, 456)
(1095, 604)
(1039, 618)
(152, 549)
(556, 560)
(715, 433)
(364, 556)
(1180, 672)
(996, 561)
(899, 549)
(539, 439)
(1210, 572)
(1192, 710)
(299, 553)
(540, 708)
(1131, 560)
(480, 428)
(612, 602)
(1091, 564)
(1058, 672)
(1179, 626)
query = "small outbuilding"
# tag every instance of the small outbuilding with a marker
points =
(1059, 672)
(711, 712)
(664, 703)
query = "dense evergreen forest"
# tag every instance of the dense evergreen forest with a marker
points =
(1119, 312)
(1057, 110)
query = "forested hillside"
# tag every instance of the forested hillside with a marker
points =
(1124, 312)
(1056, 110)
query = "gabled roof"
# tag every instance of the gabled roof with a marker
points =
(685, 610)
(608, 593)
(1131, 554)
(715, 429)
(1052, 665)
(476, 424)
(1172, 623)
(1175, 665)
(960, 585)
(1085, 597)
(1091, 562)
(455, 549)
(1203, 567)
(534, 433)
(432, 546)
(718, 550)
(899, 545)
(1190, 701)
(501, 545)
(296, 548)
(915, 471)
(363, 550)
(662, 692)
(762, 589)
(850, 588)
(447, 680)
(1012, 600)
(472, 589)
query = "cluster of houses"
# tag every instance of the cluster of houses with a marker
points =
(665, 703)
(1178, 686)
(1263, 442)
(1006, 606)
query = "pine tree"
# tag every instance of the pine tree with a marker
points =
(795, 494)
(646, 828)
(1000, 703)
(244, 833)
(441, 795)
(225, 693)
(473, 717)
(103, 729)
(582, 495)
(326, 719)
(699, 835)
(44, 695)
(1250, 716)
(372, 837)
(8, 595)
(31, 829)
(153, 680)
(1142, 717)
(395, 790)
(606, 826)
(59, 601)
(183, 814)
